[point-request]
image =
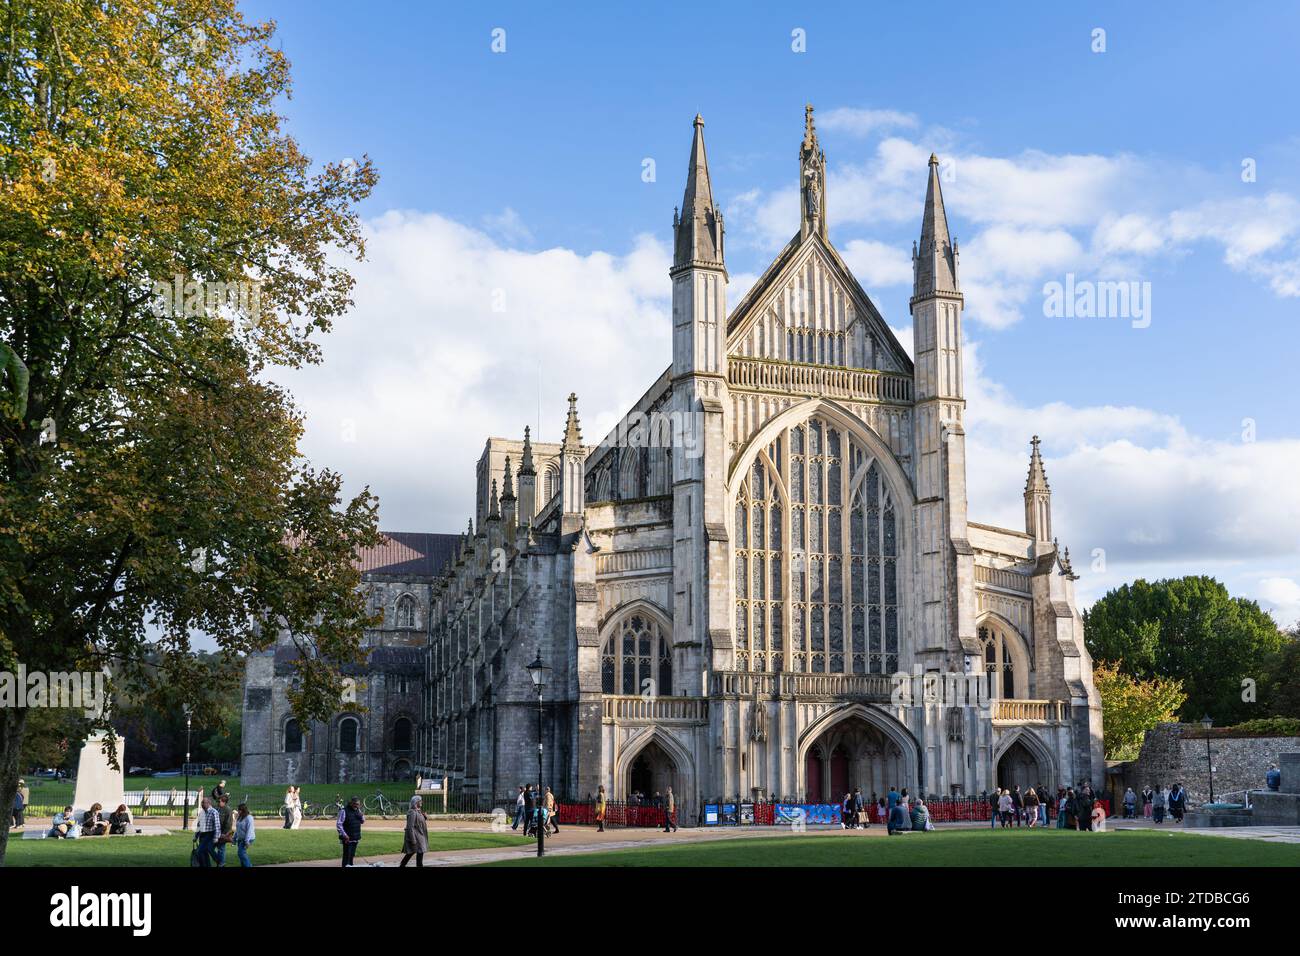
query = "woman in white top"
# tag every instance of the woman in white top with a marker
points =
(1005, 807)
(297, 809)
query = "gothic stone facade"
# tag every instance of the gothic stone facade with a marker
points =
(380, 738)
(785, 598)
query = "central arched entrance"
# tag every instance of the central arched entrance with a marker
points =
(652, 771)
(856, 748)
(1018, 767)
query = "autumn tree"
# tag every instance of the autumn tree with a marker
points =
(164, 246)
(1130, 707)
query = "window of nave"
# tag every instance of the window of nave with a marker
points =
(636, 658)
(816, 558)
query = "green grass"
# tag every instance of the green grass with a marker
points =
(951, 848)
(271, 846)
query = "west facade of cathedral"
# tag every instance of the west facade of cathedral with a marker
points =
(764, 584)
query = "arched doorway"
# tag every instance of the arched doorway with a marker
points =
(1018, 767)
(652, 771)
(854, 753)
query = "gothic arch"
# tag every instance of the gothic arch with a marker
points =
(681, 757)
(893, 731)
(406, 611)
(1018, 646)
(1034, 744)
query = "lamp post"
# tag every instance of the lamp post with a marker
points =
(1207, 722)
(538, 671)
(189, 718)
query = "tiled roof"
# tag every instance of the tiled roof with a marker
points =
(415, 553)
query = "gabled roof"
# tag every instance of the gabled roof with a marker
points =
(785, 262)
(411, 553)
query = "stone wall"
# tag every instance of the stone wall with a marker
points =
(1175, 753)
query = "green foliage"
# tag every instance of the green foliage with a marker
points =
(1269, 727)
(143, 151)
(1131, 707)
(1279, 685)
(1189, 629)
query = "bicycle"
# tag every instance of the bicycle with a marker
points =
(378, 802)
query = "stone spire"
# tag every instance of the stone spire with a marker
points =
(572, 433)
(812, 180)
(934, 261)
(508, 484)
(527, 483)
(1038, 498)
(494, 504)
(572, 472)
(697, 231)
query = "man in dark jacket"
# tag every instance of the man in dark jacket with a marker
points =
(993, 808)
(348, 824)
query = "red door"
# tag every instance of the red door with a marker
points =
(813, 769)
(839, 776)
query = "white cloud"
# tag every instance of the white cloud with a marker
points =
(864, 122)
(1281, 597)
(877, 264)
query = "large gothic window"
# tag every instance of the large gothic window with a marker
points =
(637, 658)
(349, 731)
(999, 663)
(816, 558)
(402, 734)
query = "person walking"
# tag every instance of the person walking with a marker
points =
(245, 834)
(415, 841)
(1158, 804)
(1147, 795)
(600, 809)
(530, 805)
(1031, 807)
(1130, 804)
(19, 806)
(226, 836)
(846, 812)
(519, 809)
(670, 810)
(1017, 804)
(859, 804)
(207, 825)
(552, 817)
(349, 823)
(1005, 808)
(1177, 802)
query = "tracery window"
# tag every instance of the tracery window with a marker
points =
(406, 611)
(816, 558)
(637, 658)
(999, 663)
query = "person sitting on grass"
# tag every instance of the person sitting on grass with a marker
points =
(65, 825)
(898, 820)
(119, 820)
(92, 821)
(921, 816)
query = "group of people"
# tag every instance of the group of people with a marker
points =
(1011, 807)
(533, 812)
(1156, 802)
(217, 827)
(898, 810)
(68, 825)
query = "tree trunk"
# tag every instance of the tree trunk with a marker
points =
(12, 721)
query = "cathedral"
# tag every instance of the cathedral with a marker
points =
(764, 583)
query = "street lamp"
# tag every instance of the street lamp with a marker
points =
(189, 718)
(539, 671)
(1207, 722)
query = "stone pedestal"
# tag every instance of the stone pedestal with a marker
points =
(97, 782)
(1289, 764)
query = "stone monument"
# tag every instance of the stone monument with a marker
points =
(97, 781)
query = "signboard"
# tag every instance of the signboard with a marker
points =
(746, 814)
(787, 813)
(728, 814)
(711, 815)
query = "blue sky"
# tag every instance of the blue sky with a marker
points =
(1121, 164)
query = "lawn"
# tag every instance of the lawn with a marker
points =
(1019, 848)
(271, 846)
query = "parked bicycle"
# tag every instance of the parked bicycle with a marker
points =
(379, 803)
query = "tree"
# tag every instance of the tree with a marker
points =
(1130, 707)
(1279, 685)
(164, 246)
(1188, 629)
